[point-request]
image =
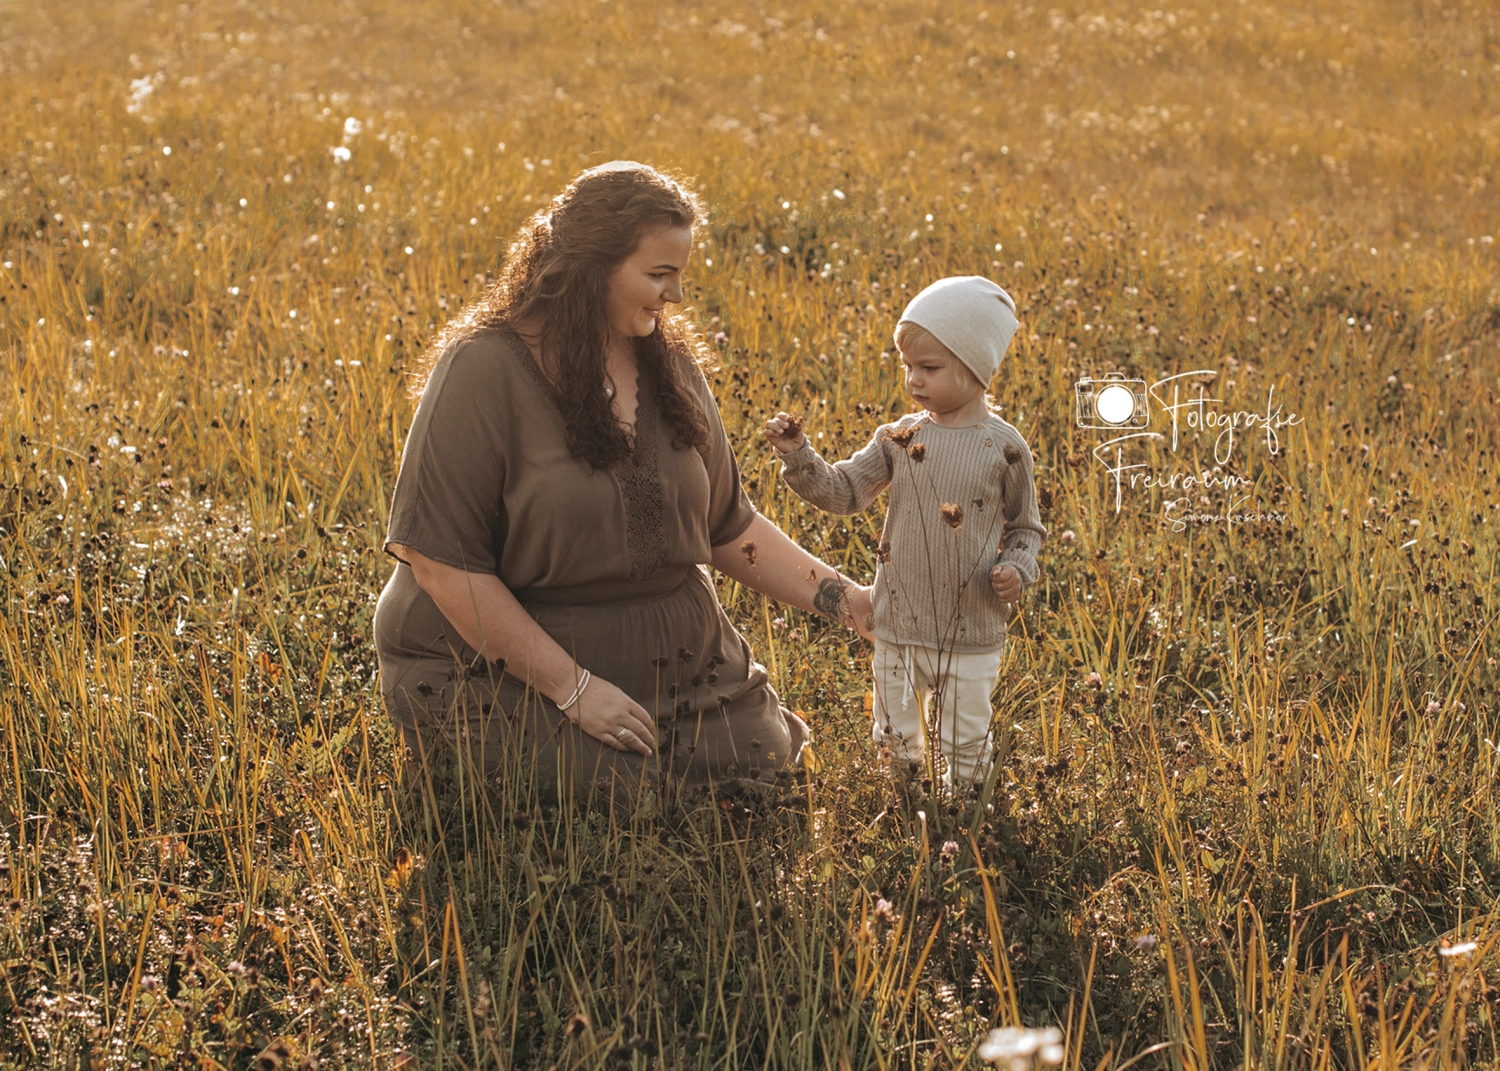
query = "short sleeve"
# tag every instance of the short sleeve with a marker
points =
(449, 499)
(729, 508)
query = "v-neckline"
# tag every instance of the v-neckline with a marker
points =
(645, 395)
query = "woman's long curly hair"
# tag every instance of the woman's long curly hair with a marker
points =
(556, 277)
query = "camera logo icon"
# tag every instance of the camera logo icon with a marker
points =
(1111, 403)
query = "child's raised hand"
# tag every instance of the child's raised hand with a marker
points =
(1006, 582)
(784, 432)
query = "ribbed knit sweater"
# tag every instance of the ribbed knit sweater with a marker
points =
(932, 584)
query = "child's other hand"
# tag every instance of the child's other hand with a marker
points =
(784, 432)
(1006, 582)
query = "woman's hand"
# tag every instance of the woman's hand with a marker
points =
(609, 715)
(784, 432)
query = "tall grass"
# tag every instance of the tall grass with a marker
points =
(1246, 814)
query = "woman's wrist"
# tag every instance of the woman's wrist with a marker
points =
(567, 688)
(832, 598)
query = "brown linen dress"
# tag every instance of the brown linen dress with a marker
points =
(610, 563)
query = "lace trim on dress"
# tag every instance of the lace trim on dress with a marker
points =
(640, 485)
(639, 478)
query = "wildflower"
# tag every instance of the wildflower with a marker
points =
(273, 1056)
(919, 453)
(341, 155)
(903, 437)
(577, 1025)
(950, 849)
(1433, 706)
(1145, 942)
(352, 127)
(747, 548)
(1021, 1048)
(1458, 950)
(140, 89)
(1068, 536)
(953, 514)
(1094, 681)
(884, 910)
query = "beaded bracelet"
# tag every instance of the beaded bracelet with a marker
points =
(583, 682)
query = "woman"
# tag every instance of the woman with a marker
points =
(565, 479)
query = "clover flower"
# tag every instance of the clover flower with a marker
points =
(1022, 1048)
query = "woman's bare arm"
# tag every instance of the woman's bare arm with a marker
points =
(766, 558)
(493, 622)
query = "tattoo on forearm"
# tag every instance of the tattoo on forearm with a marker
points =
(829, 600)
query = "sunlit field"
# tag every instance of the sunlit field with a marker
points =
(1246, 813)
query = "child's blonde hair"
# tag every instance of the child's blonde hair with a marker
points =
(909, 334)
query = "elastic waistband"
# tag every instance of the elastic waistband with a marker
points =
(652, 587)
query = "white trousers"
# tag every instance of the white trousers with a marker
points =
(917, 687)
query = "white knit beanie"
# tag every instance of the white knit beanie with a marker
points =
(971, 316)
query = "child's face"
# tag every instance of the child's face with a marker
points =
(936, 380)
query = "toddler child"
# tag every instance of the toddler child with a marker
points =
(961, 532)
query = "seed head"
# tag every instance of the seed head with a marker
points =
(953, 514)
(919, 452)
(747, 548)
(904, 436)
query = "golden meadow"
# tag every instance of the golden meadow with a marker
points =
(1246, 814)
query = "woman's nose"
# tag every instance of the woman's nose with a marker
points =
(673, 292)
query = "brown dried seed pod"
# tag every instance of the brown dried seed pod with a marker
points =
(903, 437)
(793, 427)
(953, 514)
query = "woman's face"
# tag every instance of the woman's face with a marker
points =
(643, 283)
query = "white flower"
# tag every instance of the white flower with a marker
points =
(1459, 950)
(1145, 942)
(1068, 536)
(1021, 1048)
(341, 155)
(352, 127)
(140, 89)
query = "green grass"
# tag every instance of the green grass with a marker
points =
(1242, 844)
